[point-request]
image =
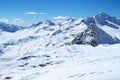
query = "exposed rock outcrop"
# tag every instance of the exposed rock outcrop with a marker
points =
(94, 36)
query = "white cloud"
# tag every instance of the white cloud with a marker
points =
(34, 13)
(60, 17)
(15, 21)
(4, 20)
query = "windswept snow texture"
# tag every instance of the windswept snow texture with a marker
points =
(44, 51)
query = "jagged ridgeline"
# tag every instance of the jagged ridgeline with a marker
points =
(59, 50)
(100, 29)
(94, 36)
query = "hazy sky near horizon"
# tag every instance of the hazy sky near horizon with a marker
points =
(28, 11)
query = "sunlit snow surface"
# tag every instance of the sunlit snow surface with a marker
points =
(41, 53)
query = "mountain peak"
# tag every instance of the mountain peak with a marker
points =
(103, 19)
(103, 14)
(99, 17)
(70, 19)
(94, 36)
(48, 22)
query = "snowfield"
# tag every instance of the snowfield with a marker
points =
(77, 62)
(44, 52)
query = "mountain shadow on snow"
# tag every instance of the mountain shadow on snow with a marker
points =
(94, 36)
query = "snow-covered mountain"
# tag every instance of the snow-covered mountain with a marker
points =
(45, 51)
(9, 27)
(94, 36)
(46, 22)
(104, 19)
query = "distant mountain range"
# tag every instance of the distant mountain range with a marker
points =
(100, 35)
(9, 27)
(72, 49)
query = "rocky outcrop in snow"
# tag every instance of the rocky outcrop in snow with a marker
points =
(93, 35)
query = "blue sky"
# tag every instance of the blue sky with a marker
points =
(28, 11)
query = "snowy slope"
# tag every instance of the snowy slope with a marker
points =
(44, 52)
(105, 19)
(94, 36)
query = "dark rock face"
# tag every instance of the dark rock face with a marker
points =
(94, 36)
(27, 57)
(1, 52)
(8, 78)
(57, 32)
